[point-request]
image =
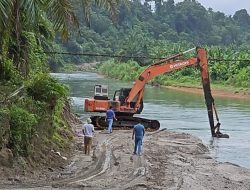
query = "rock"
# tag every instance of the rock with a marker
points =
(16, 179)
(58, 153)
(6, 157)
(116, 163)
(64, 158)
(51, 169)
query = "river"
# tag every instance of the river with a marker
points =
(178, 111)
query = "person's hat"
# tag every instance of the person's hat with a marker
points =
(89, 120)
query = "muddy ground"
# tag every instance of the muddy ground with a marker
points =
(170, 160)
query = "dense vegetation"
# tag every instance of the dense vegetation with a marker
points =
(140, 32)
(234, 75)
(34, 112)
(171, 27)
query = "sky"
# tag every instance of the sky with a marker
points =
(229, 7)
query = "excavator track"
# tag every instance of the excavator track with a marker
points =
(125, 123)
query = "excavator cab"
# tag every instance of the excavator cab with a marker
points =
(121, 95)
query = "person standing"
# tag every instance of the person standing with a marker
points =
(110, 116)
(138, 134)
(88, 132)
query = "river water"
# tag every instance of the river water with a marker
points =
(178, 111)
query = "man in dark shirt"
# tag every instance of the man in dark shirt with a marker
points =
(110, 115)
(138, 133)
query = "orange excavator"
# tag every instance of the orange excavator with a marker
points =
(127, 102)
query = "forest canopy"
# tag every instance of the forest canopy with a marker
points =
(141, 28)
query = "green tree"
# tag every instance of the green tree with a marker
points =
(242, 18)
(20, 16)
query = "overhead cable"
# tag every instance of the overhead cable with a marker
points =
(131, 57)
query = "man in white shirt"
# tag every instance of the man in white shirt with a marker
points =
(88, 131)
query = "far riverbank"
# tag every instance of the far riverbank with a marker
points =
(215, 92)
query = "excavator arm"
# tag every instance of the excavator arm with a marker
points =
(168, 65)
(211, 109)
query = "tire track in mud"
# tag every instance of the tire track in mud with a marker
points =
(99, 164)
(105, 165)
(127, 170)
(106, 168)
(97, 168)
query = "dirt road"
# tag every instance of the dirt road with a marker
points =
(173, 161)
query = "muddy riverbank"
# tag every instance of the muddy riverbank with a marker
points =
(170, 160)
(215, 92)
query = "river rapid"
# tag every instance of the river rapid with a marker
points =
(177, 111)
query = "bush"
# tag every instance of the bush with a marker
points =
(4, 127)
(242, 78)
(43, 87)
(21, 130)
(10, 73)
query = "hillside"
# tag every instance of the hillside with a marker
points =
(138, 31)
